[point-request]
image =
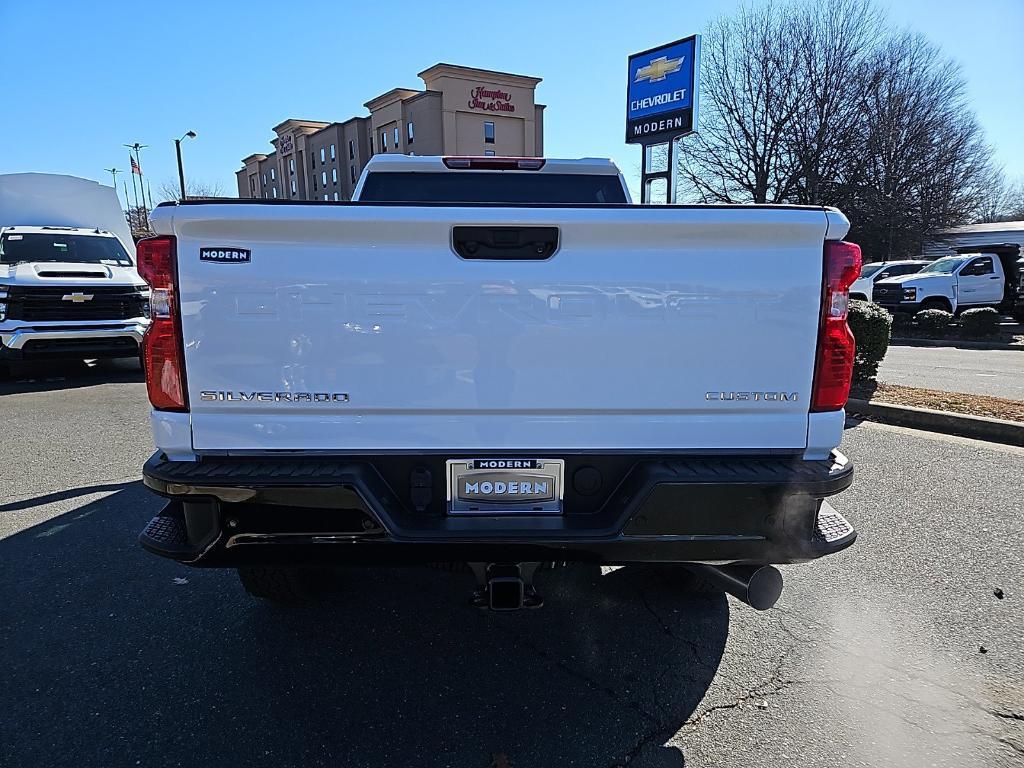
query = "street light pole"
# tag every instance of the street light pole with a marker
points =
(181, 168)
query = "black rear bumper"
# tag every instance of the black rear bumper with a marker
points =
(391, 509)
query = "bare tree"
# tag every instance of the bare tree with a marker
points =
(834, 42)
(169, 190)
(821, 103)
(1001, 199)
(924, 162)
(749, 74)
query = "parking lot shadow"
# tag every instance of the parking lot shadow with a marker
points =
(53, 375)
(115, 657)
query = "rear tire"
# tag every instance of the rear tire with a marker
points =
(284, 586)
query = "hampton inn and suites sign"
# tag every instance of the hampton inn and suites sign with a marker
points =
(490, 100)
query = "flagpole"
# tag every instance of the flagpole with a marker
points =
(127, 202)
(135, 190)
(138, 162)
(138, 165)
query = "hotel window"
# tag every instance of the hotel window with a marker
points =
(273, 174)
(264, 179)
(332, 152)
(383, 141)
(314, 182)
(396, 137)
(352, 173)
(326, 198)
(274, 190)
(291, 165)
(294, 189)
(323, 177)
(312, 161)
(351, 150)
(489, 153)
(323, 155)
(334, 175)
(408, 130)
(371, 144)
(335, 197)
(488, 132)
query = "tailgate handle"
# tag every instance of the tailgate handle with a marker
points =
(506, 243)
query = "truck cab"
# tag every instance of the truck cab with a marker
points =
(973, 276)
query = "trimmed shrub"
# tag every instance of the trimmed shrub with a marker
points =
(933, 322)
(979, 323)
(870, 325)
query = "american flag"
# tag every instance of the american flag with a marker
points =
(135, 166)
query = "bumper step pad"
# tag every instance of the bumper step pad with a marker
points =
(166, 535)
(831, 526)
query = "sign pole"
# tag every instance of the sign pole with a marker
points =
(649, 174)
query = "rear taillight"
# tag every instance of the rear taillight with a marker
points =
(836, 347)
(162, 347)
(490, 163)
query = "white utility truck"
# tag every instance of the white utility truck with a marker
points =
(68, 283)
(500, 362)
(970, 277)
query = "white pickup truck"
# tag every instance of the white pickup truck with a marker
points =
(500, 362)
(68, 292)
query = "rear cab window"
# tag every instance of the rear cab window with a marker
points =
(510, 187)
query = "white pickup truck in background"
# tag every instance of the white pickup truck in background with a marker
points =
(864, 286)
(502, 362)
(68, 283)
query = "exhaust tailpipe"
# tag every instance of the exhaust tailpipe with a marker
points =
(759, 586)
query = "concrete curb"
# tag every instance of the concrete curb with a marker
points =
(955, 343)
(977, 427)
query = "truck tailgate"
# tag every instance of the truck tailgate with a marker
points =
(654, 328)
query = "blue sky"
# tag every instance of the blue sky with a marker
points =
(79, 79)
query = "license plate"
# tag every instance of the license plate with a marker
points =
(505, 486)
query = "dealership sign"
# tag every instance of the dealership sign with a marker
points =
(661, 97)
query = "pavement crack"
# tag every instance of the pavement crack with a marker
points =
(661, 732)
(695, 651)
(1011, 744)
(774, 685)
(1007, 715)
(585, 678)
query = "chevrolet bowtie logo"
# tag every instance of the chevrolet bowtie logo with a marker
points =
(659, 69)
(78, 297)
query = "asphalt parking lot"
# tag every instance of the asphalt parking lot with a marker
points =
(995, 372)
(896, 652)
